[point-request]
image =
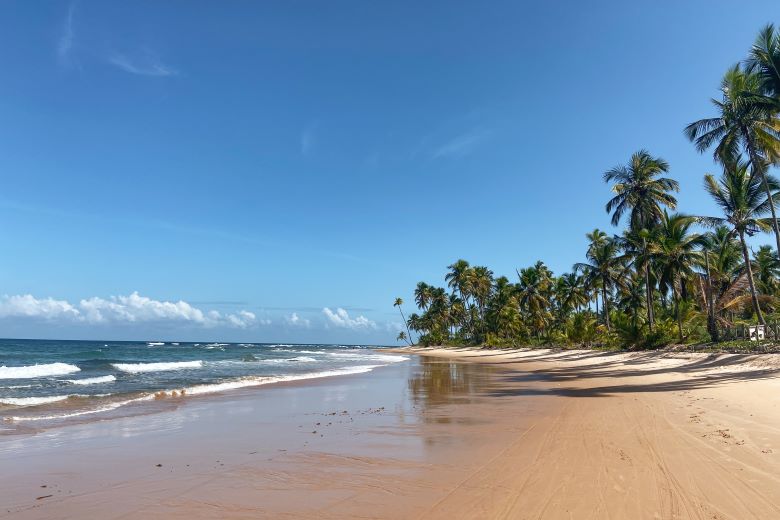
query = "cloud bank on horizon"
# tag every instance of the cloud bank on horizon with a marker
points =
(136, 310)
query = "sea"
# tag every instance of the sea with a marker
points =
(48, 382)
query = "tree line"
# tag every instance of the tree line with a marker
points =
(667, 276)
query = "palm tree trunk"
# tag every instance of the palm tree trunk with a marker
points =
(677, 313)
(649, 298)
(406, 323)
(606, 307)
(749, 269)
(712, 327)
(758, 167)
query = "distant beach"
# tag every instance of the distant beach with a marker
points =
(445, 433)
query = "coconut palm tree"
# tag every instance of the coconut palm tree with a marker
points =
(642, 193)
(676, 249)
(604, 269)
(572, 293)
(743, 123)
(740, 197)
(764, 60)
(422, 295)
(459, 278)
(532, 295)
(767, 269)
(398, 303)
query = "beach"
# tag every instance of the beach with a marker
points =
(447, 433)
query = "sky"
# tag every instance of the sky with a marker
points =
(282, 170)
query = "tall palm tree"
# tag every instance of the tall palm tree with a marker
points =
(764, 60)
(677, 250)
(604, 269)
(481, 287)
(743, 123)
(532, 294)
(641, 192)
(571, 292)
(398, 303)
(422, 295)
(739, 196)
(459, 278)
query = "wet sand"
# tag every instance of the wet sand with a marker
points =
(448, 434)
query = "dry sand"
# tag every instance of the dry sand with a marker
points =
(453, 433)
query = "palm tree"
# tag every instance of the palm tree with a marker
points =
(642, 193)
(743, 122)
(676, 249)
(605, 270)
(422, 295)
(571, 292)
(740, 197)
(764, 60)
(481, 287)
(398, 303)
(767, 267)
(459, 278)
(532, 294)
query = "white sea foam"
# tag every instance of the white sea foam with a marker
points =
(267, 380)
(370, 356)
(32, 401)
(27, 372)
(155, 344)
(202, 390)
(93, 380)
(106, 408)
(135, 368)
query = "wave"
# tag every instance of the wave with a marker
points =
(106, 408)
(135, 368)
(267, 380)
(27, 372)
(92, 380)
(32, 401)
(155, 344)
(193, 390)
(388, 358)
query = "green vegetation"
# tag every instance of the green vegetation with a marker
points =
(667, 277)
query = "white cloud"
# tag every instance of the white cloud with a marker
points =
(122, 309)
(31, 307)
(340, 318)
(461, 145)
(297, 321)
(65, 43)
(146, 65)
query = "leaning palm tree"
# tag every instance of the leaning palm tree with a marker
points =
(743, 123)
(676, 249)
(642, 193)
(398, 303)
(739, 196)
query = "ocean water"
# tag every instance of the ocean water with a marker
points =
(43, 382)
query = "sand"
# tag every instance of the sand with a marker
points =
(452, 433)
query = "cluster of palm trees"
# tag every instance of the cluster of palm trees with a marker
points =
(667, 276)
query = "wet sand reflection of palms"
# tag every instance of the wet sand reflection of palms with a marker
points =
(441, 382)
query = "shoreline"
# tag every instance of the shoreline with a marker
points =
(451, 433)
(75, 408)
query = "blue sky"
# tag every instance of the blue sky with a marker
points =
(280, 171)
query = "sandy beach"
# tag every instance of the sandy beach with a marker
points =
(451, 433)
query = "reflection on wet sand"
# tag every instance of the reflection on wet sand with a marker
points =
(442, 382)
